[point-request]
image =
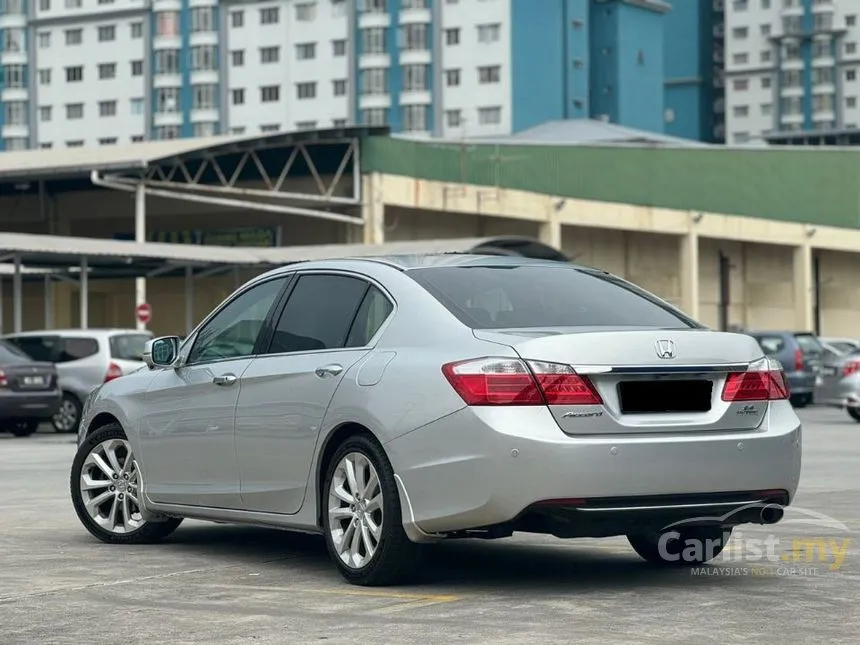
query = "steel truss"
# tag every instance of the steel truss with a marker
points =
(175, 180)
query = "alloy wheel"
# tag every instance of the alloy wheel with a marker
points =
(355, 510)
(66, 417)
(109, 485)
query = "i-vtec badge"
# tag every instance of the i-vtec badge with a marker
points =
(748, 410)
(581, 415)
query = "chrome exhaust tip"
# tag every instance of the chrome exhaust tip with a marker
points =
(771, 514)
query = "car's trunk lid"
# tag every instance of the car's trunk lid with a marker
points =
(30, 377)
(650, 380)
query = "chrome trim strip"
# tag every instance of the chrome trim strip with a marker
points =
(661, 369)
(669, 507)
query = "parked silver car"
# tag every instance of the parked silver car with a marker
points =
(393, 401)
(85, 358)
(840, 382)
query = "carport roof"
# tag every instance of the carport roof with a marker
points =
(58, 163)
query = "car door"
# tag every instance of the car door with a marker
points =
(187, 431)
(325, 327)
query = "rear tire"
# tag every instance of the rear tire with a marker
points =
(362, 519)
(105, 484)
(801, 400)
(684, 547)
(68, 417)
(23, 427)
(854, 413)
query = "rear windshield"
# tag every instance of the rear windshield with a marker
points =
(128, 347)
(507, 297)
(809, 344)
(11, 355)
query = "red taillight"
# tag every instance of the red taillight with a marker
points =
(4, 382)
(850, 368)
(798, 360)
(506, 381)
(114, 371)
(764, 381)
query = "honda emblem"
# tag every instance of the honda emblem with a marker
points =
(665, 348)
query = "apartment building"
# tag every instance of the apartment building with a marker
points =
(791, 68)
(101, 72)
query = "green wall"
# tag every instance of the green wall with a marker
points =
(798, 185)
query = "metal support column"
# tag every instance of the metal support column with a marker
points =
(140, 236)
(189, 299)
(2, 312)
(17, 298)
(49, 302)
(84, 294)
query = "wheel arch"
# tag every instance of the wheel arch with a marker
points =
(101, 420)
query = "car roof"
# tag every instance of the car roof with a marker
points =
(97, 332)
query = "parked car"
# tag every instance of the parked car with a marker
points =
(386, 402)
(841, 345)
(840, 383)
(29, 393)
(85, 358)
(800, 354)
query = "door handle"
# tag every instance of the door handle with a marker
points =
(224, 379)
(328, 370)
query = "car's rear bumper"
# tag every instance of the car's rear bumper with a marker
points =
(29, 405)
(801, 382)
(482, 467)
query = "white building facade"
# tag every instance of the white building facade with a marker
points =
(791, 68)
(101, 72)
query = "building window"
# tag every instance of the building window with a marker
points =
(415, 4)
(166, 100)
(850, 21)
(306, 11)
(77, 143)
(271, 127)
(740, 33)
(237, 130)
(15, 76)
(237, 19)
(74, 111)
(373, 40)
(269, 16)
(741, 111)
(44, 77)
(167, 24)
(414, 77)
(373, 6)
(822, 76)
(44, 5)
(339, 87)
(741, 137)
(204, 97)
(72, 4)
(306, 51)
(741, 84)
(237, 58)
(44, 39)
(137, 138)
(338, 48)
(766, 109)
(374, 81)
(489, 33)
(851, 102)
(137, 68)
(237, 97)
(136, 106)
(851, 75)
(45, 113)
(374, 116)
(16, 143)
(74, 74)
(306, 90)
(413, 37)
(106, 33)
(740, 59)
(107, 71)
(338, 8)
(167, 61)
(46, 146)
(74, 36)
(136, 30)
(489, 115)
(765, 30)
(740, 5)
(452, 37)
(107, 108)
(766, 82)
(453, 118)
(491, 74)
(204, 58)
(167, 132)
(850, 48)
(16, 112)
(269, 55)
(306, 125)
(270, 93)
(452, 77)
(202, 19)
(111, 141)
(338, 123)
(205, 129)
(765, 56)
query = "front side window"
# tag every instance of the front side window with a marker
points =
(318, 314)
(233, 331)
(129, 347)
(506, 297)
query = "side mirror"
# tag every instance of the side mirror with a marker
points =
(161, 352)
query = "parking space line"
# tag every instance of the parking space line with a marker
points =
(407, 597)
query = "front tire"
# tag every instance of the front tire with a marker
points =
(23, 427)
(682, 547)
(362, 517)
(105, 485)
(854, 413)
(68, 417)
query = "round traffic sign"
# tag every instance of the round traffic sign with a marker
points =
(143, 312)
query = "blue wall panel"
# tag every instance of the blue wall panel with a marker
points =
(185, 68)
(395, 72)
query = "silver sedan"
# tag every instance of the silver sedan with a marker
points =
(390, 402)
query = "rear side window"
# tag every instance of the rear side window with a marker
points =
(38, 348)
(318, 314)
(374, 310)
(128, 347)
(74, 349)
(11, 355)
(771, 344)
(809, 344)
(545, 296)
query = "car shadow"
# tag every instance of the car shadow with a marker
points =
(471, 564)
